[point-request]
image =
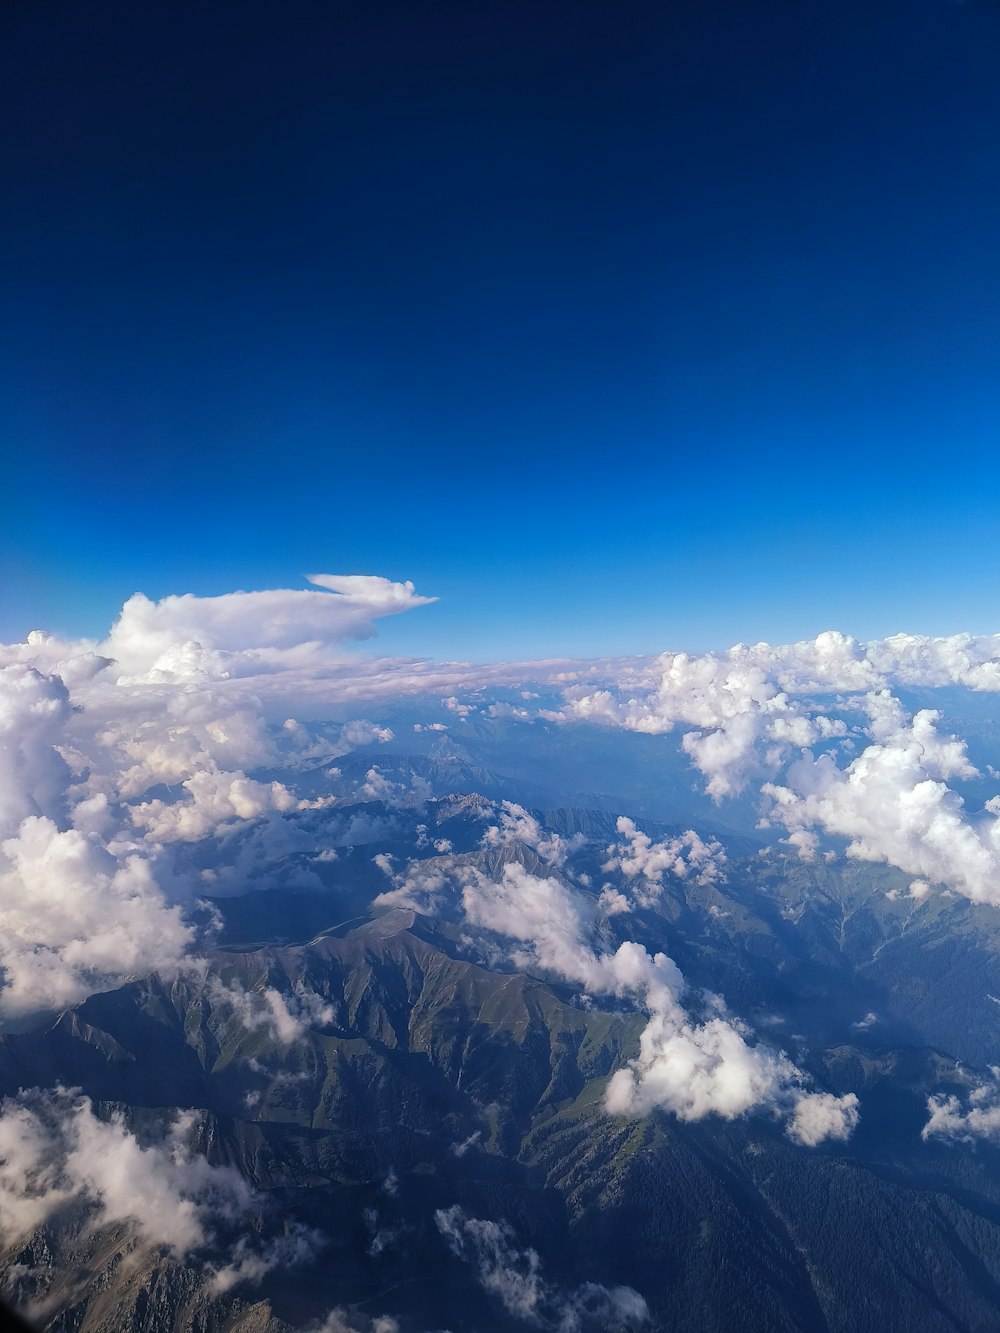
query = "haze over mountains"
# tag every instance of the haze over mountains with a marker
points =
(343, 992)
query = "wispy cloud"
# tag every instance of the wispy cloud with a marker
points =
(513, 1277)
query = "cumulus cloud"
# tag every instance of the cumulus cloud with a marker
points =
(644, 861)
(779, 715)
(519, 828)
(241, 632)
(424, 887)
(341, 1321)
(156, 738)
(692, 1069)
(977, 1118)
(513, 1276)
(214, 798)
(732, 706)
(411, 792)
(689, 1068)
(820, 1115)
(57, 1153)
(362, 732)
(34, 708)
(109, 757)
(893, 804)
(76, 918)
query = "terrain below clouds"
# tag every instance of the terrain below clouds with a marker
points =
(348, 993)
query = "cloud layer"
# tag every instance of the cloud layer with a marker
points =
(111, 753)
(832, 751)
(115, 755)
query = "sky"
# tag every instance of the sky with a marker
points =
(614, 327)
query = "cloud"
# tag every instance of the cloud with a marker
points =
(34, 708)
(979, 1118)
(519, 828)
(893, 804)
(412, 792)
(56, 1153)
(157, 738)
(285, 1018)
(641, 859)
(54, 1150)
(110, 761)
(513, 1277)
(462, 1147)
(362, 732)
(752, 713)
(253, 1258)
(340, 1321)
(76, 918)
(819, 1116)
(189, 637)
(425, 887)
(215, 798)
(692, 1069)
(732, 704)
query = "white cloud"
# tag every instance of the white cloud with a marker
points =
(76, 919)
(514, 1277)
(88, 896)
(54, 1149)
(732, 704)
(645, 861)
(215, 798)
(56, 1152)
(518, 827)
(422, 888)
(820, 1115)
(979, 1118)
(461, 1148)
(182, 693)
(253, 1258)
(240, 633)
(688, 1068)
(694, 1070)
(611, 902)
(745, 713)
(893, 804)
(285, 1018)
(411, 792)
(361, 732)
(338, 1321)
(34, 708)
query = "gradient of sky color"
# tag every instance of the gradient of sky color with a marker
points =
(617, 327)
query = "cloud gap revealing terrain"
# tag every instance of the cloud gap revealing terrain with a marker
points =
(352, 992)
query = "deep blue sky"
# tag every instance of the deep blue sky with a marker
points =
(618, 326)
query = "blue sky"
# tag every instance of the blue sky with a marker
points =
(616, 327)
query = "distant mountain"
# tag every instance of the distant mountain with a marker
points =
(411, 1075)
